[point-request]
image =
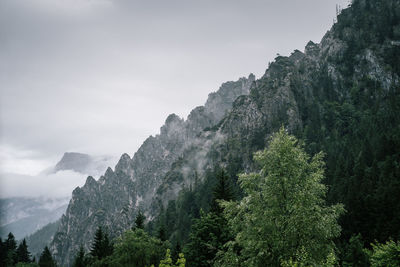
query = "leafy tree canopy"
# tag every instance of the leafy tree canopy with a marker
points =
(283, 215)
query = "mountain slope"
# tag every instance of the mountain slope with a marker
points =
(115, 198)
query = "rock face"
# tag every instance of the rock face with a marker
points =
(113, 200)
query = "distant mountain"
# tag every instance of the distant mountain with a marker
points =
(23, 216)
(82, 163)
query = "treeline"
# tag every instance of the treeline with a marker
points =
(19, 256)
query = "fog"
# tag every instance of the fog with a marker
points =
(57, 185)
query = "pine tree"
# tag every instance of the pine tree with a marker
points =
(80, 260)
(101, 246)
(3, 253)
(161, 234)
(10, 246)
(46, 260)
(222, 191)
(139, 221)
(96, 249)
(23, 254)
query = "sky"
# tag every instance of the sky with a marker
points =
(100, 76)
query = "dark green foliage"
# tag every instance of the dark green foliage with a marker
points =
(2, 252)
(210, 232)
(80, 259)
(139, 221)
(101, 246)
(46, 260)
(354, 254)
(208, 235)
(9, 251)
(175, 252)
(161, 234)
(222, 191)
(23, 254)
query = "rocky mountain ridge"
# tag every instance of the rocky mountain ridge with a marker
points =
(114, 200)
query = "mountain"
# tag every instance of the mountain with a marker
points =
(82, 163)
(341, 96)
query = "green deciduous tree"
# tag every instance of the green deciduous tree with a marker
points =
(283, 216)
(167, 261)
(137, 248)
(385, 254)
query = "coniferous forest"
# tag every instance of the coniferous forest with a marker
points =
(323, 192)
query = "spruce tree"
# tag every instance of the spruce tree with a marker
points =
(46, 260)
(161, 234)
(222, 191)
(3, 253)
(139, 221)
(101, 246)
(10, 250)
(23, 254)
(80, 260)
(97, 245)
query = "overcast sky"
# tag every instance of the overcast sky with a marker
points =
(100, 76)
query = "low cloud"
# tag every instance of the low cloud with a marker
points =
(57, 185)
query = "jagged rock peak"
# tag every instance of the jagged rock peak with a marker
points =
(311, 49)
(109, 172)
(124, 160)
(90, 181)
(172, 124)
